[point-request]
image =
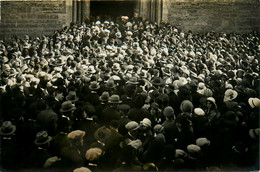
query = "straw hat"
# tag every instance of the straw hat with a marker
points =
(114, 99)
(254, 102)
(230, 95)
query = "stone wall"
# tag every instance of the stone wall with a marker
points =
(43, 17)
(33, 17)
(219, 15)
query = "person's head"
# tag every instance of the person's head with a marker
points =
(76, 137)
(145, 124)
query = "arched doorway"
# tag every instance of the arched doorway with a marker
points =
(150, 9)
(112, 9)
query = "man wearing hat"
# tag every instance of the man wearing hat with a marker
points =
(72, 154)
(103, 104)
(111, 112)
(93, 96)
(137, 112)
(66, 114)
(9, 148)
(48, 118)
(93, 157)
(123, 110)
(173, 97)
(193, 162)
(38, 157)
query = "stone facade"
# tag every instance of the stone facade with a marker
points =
(43, 17)
(240, 16)
(34, 18)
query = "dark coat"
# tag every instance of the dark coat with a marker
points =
(38, 158)
(109, 114)
(48, 121)
(184, 138)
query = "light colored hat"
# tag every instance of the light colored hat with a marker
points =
(182, 81)
(193, 148)
(82, 169)
(76, 134)
(128, 24)
(93, 154)
(230, 95)
(114, 99)
(254, 102)
(201, 86)
(212, 100)
(254, 133)
(116, 66)
(179, 153)
(50, 161)
(132, 125)
(199, 112)
(228, 86)
(135, 143)
(146, 122)
(129, 33)
(133, 80)
(202, 141)
(98, 22)
(91, 69)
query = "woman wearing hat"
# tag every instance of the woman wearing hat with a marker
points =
(211, 111)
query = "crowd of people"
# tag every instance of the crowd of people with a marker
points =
(130, 96)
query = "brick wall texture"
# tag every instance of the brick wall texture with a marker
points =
(43, 17)
(35, 18)
(222, 15)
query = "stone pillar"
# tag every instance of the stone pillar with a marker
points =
(74, 11)
(159, 5)
(85, 9)
(152, 9)
(69, 11)
(144, 10)
(79, 10)
(165, 7)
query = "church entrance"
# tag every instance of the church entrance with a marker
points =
(113, 9)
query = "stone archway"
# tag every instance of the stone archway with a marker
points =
(112, 8)
(150, 9)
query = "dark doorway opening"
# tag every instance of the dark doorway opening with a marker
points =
(112, 9)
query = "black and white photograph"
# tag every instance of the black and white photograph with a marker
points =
(129, 85)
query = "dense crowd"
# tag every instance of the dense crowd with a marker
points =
(130, 96)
